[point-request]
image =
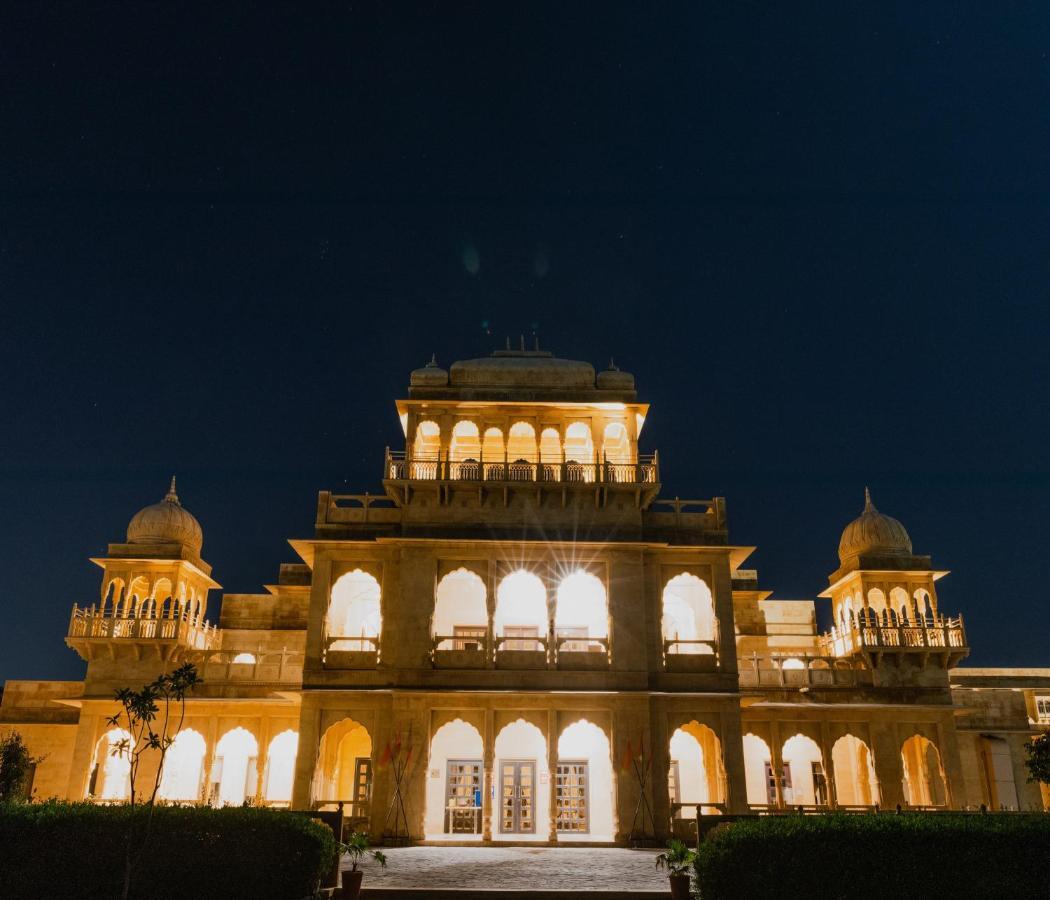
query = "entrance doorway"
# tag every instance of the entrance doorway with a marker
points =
(517, 796)
(571, 794)
(463, 797)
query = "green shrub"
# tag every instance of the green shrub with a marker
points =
(76, 850)
(852, 856)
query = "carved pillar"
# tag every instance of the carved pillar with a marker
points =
(306, 757)
(776, 762)
(488, 787)
(828, 762)
(552, 768)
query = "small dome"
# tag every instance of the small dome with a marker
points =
(523, 369)
(873, 534)
(612, 379)
(166, 522)
(431, 375)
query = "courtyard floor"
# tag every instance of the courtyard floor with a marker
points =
(518, 869)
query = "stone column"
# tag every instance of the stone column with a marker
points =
(552, 768)
(776, 762)
(488, 786)
(732, 739)
(83, 756)
(262, 760)
(659, 742)
(828, 763)
(886, 748)
(306, 758)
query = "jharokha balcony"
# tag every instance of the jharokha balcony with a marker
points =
(93, 633)
(875, 637)
(402, 466)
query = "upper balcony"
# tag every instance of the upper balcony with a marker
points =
(93, 633)
(937, 636)
(399, 466)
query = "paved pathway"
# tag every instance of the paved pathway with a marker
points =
(518, 868)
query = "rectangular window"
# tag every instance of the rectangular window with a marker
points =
(467, 637)
(820, 785)
(673, 791)
(570, 792)
(576, 646)
(518, 635)
(362, 779)
(1042, 706)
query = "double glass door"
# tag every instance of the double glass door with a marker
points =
(517, 781)
(463, 797)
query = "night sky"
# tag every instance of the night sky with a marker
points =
(816, 233)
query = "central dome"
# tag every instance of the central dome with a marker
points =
(522, 368)
(167, 522)
(873, 534)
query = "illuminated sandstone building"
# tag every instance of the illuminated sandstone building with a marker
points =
(514, 616)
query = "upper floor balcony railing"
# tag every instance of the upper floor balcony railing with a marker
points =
(802, 670)
(917, 635)
(192, 632)
(401, 466)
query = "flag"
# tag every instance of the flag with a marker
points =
(384, 760)
(628, 757)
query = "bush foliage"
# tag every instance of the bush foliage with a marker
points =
(900, 856)
(67, 850)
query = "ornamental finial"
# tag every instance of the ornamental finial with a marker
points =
(868, 505)
(171, 496)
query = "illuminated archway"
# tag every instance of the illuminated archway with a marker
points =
(425, 450)
(522, 794)
(616, 446)
(111, 771)
(492, 454)
(343, 773)
(455, 786)
(464, 451)
(688, 614)
(521, 611)
(855, 781)
(584, 784)
(581, 611)
(354, 612)
(521, 443)
(460, 610)
(550, 454)
(183, 767)
(923, 776)
(805, 783)
(235, 770)
(758, 771)
(280, 767)
(696, 775)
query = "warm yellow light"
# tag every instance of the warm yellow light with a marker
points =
(404, 423)
(639, 421)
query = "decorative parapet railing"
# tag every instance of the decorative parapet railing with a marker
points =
(346, 509)
(676, 513)
(798, 670)
(933, 634)
(193, 632)
(267, 666)
(681, 655)
(401, 466)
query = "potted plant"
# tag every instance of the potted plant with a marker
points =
(356, 847)
(678, 860)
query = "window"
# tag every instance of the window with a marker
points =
(468, 637)
(246, 659)
(1042, 706)
(519, 635)
(576, 631)
(570, 795)
(673, 782)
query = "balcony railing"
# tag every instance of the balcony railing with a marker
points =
(935, 633)
(799, 670)
(399, 466)
(189, 631)
(573, 652)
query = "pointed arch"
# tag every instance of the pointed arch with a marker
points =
(183, 776)
(855, 781)
(453, 797)
(354, 612)
(460, 607)
(279, 774)
(688, 614)
(586, 788)
(521, 611)
(581, 610)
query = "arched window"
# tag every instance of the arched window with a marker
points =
(521, 443)
(579, 452)
(923, 604)
(343, 773)
(688, 615)
(761, 791)
(280, 767)
(805, 781)
(460, 613)
(855, 782)
(696, 775)
(354, 612)
(235, 770)
(581, 611)
(244, 659)
(110, 777)
(616, 446)
(899, 603)
(493, 456)
(550, 455)
(923, 778)
(521, 611)
(464, 451)
(183, 768)
(425, 450)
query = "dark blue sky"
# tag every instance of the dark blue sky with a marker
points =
(817, 233)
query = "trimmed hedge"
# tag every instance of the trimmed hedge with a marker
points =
(76, 850)
(854, 856)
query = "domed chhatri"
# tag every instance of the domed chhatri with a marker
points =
(431, 375)
(613, 379)
(873, 534)
(167, 522)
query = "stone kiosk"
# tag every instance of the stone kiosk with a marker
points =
(517, 633)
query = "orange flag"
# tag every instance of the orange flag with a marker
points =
(384, 760)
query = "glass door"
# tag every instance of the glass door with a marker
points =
(570, 792)
(463, 796)
(517, 796)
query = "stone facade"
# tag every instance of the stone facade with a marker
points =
(518, 639)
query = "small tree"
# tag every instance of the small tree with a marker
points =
(1038, 758)
(153, 718)
(16, 768)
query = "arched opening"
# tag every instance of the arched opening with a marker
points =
(583, 784)
(464, 451)
(688, 615)
(353, 613)
(521, 612)
(111, 597)
(923, 776)
(280, 768)
(235, 769)
(805, 783)
(792, 663)
(877, 605)
(579, 452)
(550, 454)
(923, 605)
(493, 456)
(616, 446)
(855, 781)
(343, 774)
(110, 777)
(456, 782)
(696, 775)
(522, 797)
(758, 774)
(460, 612)
(581, 611)
(160, 597)
(425, 450)
(183, 775)
(244, 659)
(900, 603)
(521, 450)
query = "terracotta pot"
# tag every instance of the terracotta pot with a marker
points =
(679, 887)
(352, 885)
